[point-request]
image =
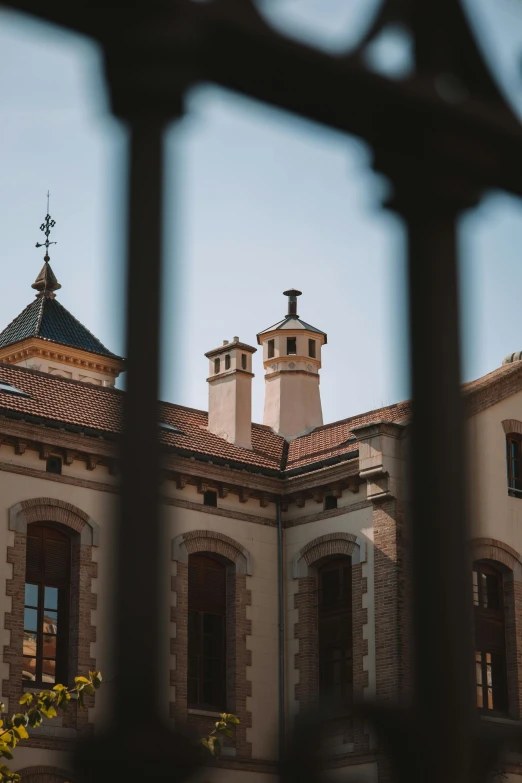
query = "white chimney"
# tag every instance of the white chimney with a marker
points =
(230, 392)
(292, 360)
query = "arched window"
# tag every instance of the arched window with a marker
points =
(46, 610)
(514, 464)
(207, 598)
(335, 633)
(490, 638)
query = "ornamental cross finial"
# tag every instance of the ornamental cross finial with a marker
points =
(46, 227)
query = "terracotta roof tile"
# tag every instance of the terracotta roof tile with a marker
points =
(337, 439)
(78, 404)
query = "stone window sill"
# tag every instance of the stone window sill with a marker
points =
(505, 721)
(206, 713)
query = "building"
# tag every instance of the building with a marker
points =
(335, 491)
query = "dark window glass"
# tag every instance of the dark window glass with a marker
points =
(311, 348)
(335, 635)
(514, 465)
(46, 610)
(291, 346)
(490, 646)
(330, 502)
(210, 498)
(217, 365)
(270, 349)
(53, 465)
(206, 633)
(227, 362)
(243, 361)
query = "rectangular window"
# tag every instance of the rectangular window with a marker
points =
(53, 465)
(335, 635)
(514, 465)
(291, 346)
(490, 651)
(311, 348)
(210, 498)
(206, 674)
(227, 362)
(330, 502)
(46, 606)
(270, 347)
(243, 361)
(217, 365)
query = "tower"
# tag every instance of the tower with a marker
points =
(47, 337)
(292, 360)
(230, 392)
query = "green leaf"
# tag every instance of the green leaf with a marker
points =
(22, 733)
(35, 717)
(58, 687)
(96, 678)
(4, 751)
(229, 718)
(78, 680)
(27, 698)
(49, 711)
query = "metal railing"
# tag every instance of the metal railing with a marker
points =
(442, 137)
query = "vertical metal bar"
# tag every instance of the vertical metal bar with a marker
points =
(441, 582)
(137, 634)
(281, 620)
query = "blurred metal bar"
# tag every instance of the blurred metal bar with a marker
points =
(444, 714)
(138, 598)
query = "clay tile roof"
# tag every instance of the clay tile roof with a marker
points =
(336, 439)
(47, 319)
(81, 405)
(77, 405)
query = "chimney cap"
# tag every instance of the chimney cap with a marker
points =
(227, 347)
(292, 295)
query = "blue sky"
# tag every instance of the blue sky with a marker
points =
(257, 202)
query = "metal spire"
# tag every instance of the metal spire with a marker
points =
(46, 227)
(46, 281)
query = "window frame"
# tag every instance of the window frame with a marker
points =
(490, 640)
(312, 348)
(514, 464)
(330, 502)
(290, 340)
(63, 611)
(207, 495)
(197, 611)
(270, 349)
(341, 616)
(227, 361)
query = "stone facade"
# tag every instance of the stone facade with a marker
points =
(338, 491)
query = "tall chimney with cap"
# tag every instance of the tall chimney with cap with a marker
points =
(230, 392)
(292, 360)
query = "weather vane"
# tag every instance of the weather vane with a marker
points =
(46, 227)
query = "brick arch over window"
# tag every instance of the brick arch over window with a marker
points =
(238, 628)
(53, 510)
(324, 546)
(84, 536)
(512, 425)
(510, 562)
(304, 569)
(209, 541)
(43, 774)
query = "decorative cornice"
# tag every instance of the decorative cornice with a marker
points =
(37, 346)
